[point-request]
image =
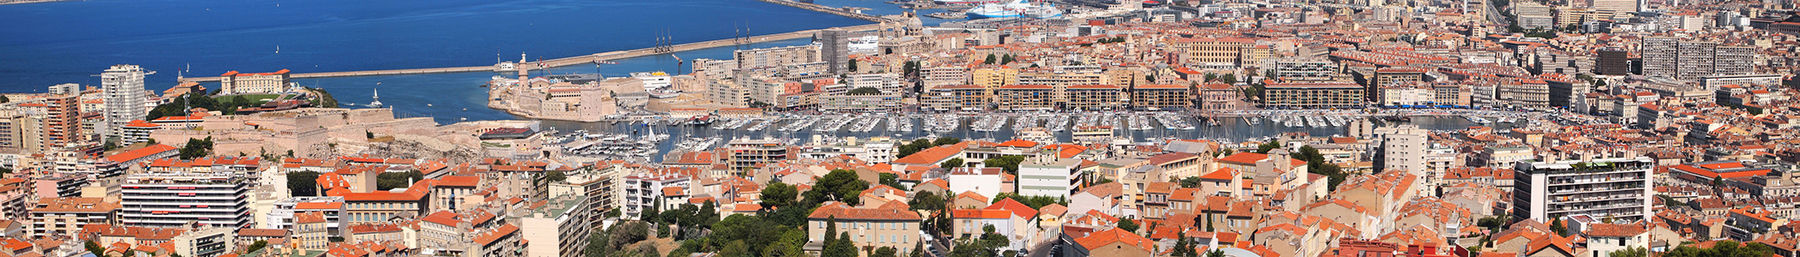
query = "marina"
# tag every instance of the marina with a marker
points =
(600, 138)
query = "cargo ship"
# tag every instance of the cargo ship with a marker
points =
(1015, 9)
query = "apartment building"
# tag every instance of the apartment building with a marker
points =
(1613, 187)
(1161, 97)
(1685, 59)
(745, 154)
(1024, 97)
(1050, 176)
(1313, 95)
(67, 215)
(1094, 97)
(560, 228)
(62, 121)
(175, 198)
(944, 76)
(122, 88)
(774, 57)
(1305, 70)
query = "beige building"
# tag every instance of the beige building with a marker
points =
(994, 77)
(1024, 97)
(1161, 97)
(235, 82)
(1211, 53)
(1319, 95)
(1094, 97)
(66, 216)
(559, 229)
(889, 225)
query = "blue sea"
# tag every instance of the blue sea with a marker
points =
(67, 42)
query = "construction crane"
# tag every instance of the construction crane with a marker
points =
(598, 62)
(678, 62)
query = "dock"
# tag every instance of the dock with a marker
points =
(614, 55)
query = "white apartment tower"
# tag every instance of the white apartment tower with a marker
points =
(122, 87)
(1615, 187)
(170, 199)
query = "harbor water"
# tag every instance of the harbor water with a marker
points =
(72, 40)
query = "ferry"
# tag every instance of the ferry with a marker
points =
(1014, 9)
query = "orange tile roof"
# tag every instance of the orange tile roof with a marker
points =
(1015, 208)
(491, 236)
(1097, 239)
(139, 153)
(842, 211)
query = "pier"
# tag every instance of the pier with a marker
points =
(614, 55)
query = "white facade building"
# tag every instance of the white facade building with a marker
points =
(1616, 188)
(122, 87)
(170, 199)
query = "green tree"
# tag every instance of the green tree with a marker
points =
(735, 248)
(1558, 227)
(1630, 252)
(3, 99)
(990, 59)
(1010, 163)
(885, 251)
(946, 141)
(1190, 182)
(918, 249)
(556, 176)
(303, 183)
(196, 148)
(891, 180)
(851, 65)
(1008, 59)
(1228, 79)
(840, 185)
(840, 247)
(951, 163)
(927, 201)
(778, 195)
(914, 147)
(1268, 146)
(95, 248)
(1128, 225)
(392, 180)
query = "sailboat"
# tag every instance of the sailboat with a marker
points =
(376, 95)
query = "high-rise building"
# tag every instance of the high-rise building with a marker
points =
(1533, 15)
(122, 88)
(1612, 61)
(1402, 148)
(170, 199)
(835, 49)
(1614, 8)
(1660, 55)
(62, 119)
(1687, 59)
(1608, 188)
(1694, 59)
